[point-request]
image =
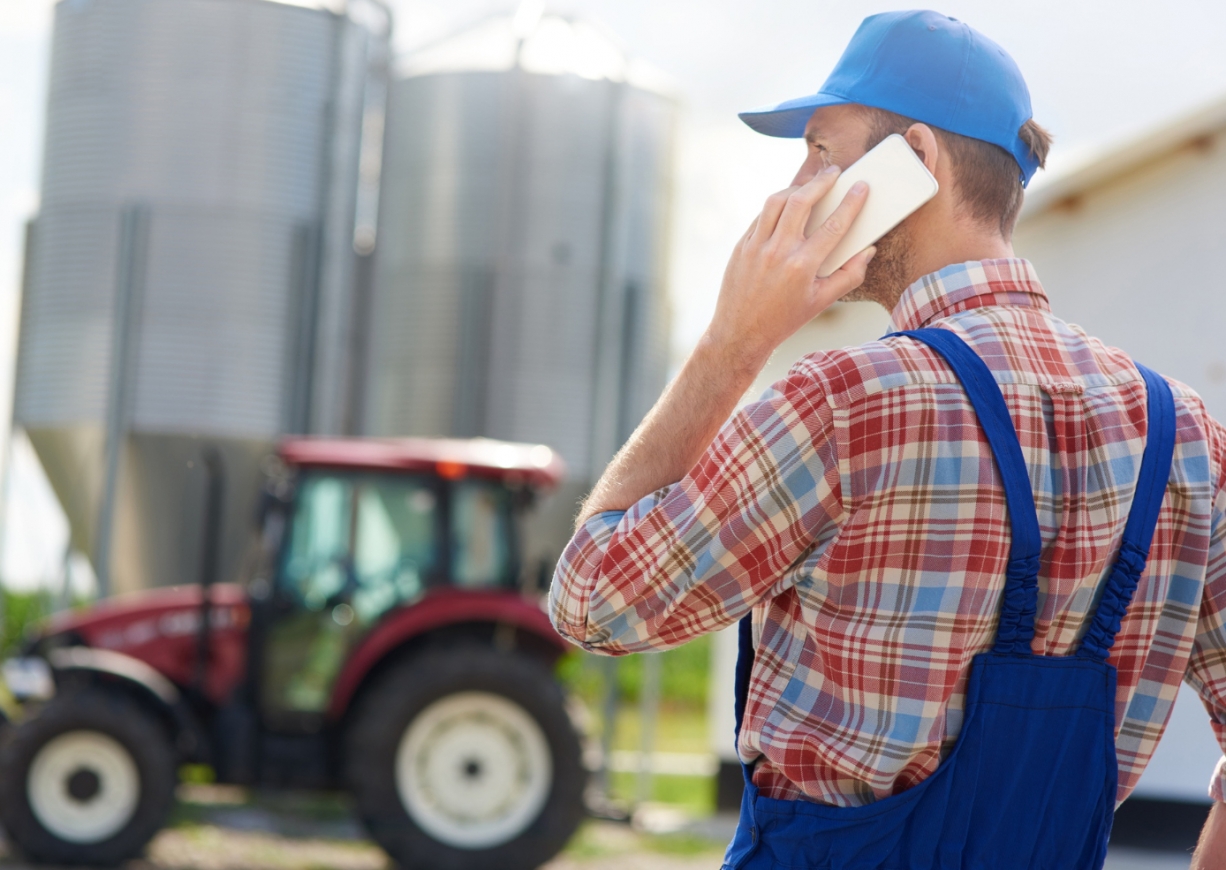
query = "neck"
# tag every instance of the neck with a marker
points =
(932, 248)
(958, 244)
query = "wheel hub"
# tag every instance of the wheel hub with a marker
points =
(84, 784)
(473, 770)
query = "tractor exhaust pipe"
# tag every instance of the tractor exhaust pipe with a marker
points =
(210, 557)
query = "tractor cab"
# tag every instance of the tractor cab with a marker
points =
(387, 640)
(356, 530)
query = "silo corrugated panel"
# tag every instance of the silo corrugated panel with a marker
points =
(438, 225)
(230, 128)
(520, 289)
(209, 113)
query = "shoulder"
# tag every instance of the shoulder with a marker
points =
(1195, 427)
(1200, 440)
(850, 374)
(1119, 368)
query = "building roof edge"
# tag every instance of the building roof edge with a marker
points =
(1104, 164)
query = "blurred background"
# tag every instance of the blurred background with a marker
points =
(223, 222)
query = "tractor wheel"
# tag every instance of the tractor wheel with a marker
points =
(464, 758)
(87, 780)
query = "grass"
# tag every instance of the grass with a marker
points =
(681, 724)
(684, 674)
(604, 840)
(694, 794)
(678, 729)
(683, 844)
(289, 809)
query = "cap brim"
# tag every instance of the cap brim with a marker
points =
(787, 120)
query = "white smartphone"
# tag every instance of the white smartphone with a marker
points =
(898, 184)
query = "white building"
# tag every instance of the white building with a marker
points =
(1126, 245)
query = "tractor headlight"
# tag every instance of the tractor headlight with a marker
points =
(29, 678)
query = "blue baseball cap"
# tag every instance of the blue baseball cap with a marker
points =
(926, 66)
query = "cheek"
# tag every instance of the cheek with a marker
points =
(813, 164)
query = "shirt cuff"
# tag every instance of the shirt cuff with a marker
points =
(1217, 786)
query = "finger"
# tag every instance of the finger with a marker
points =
(833, 228)
(802, 199)
(753, 225)
(846, 278)
(771, 210)
(741, 242)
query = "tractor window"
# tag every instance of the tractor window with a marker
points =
(360, 545)
(366, 541)
(315, 566)
(395, 548)
(481, 535)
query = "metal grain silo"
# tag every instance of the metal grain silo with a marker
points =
(519, 285)
(189, 272)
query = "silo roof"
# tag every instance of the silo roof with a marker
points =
(538, 42)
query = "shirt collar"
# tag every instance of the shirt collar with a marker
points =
(962, 286)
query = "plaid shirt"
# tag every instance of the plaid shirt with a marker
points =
(856, 510)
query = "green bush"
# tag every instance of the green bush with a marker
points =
(684, 674)
(22, 612)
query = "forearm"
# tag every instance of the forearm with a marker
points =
(640, 573)
(679, 429)
(768, 292)
(1211, 851)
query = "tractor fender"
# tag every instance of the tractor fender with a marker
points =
(440, 609)
(144, 681)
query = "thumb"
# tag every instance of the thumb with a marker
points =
(846, 278)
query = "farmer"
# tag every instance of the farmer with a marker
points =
(972, 560)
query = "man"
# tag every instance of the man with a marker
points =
(874, 518)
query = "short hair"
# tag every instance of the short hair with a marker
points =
(987, 177)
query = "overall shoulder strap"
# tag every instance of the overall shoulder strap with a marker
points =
(1020, 599)
(1142, 519)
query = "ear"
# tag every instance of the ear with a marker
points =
(924, 143)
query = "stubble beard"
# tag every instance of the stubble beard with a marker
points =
(889, 273)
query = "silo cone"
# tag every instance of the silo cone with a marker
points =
(188, 276)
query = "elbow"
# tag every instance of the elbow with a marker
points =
(566, 619)
(605, 649)
(596, 642)
(593, 642)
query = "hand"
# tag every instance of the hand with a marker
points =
(770, 287)
(770, 290)
(1211, 851)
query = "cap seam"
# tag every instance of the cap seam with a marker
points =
(966, 61)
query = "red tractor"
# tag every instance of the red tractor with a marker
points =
(382, 642)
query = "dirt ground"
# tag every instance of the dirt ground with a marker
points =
(223, 830)
(220, 829)
(599, 846)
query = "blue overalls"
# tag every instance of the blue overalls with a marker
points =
(1031, 782)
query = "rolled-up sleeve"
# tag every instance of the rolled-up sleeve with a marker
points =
(696, 556)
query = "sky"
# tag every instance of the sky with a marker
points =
(1098, 70)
